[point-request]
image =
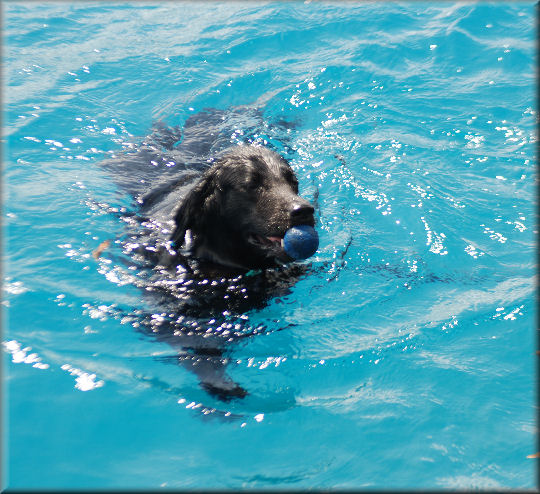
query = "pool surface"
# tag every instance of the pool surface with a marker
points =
(405, 358)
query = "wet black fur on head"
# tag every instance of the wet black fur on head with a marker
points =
(241, 208)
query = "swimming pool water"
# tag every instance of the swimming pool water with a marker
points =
(406, 360)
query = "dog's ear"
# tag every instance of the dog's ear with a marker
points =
(195, 208)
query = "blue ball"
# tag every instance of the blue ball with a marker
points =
(301, 242)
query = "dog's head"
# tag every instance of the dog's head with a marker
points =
(241, 208)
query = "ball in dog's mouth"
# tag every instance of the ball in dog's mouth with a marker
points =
(298, 243)
(301, 242)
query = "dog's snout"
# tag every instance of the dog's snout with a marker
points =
(302, 213)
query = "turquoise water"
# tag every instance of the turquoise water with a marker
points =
(405, 360)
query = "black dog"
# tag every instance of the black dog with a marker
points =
(206, 236)
(238, 213)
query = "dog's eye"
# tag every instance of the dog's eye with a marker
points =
(254, 183)
(291, 178)
(253, 186)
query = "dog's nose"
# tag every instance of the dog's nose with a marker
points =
(302, 214)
